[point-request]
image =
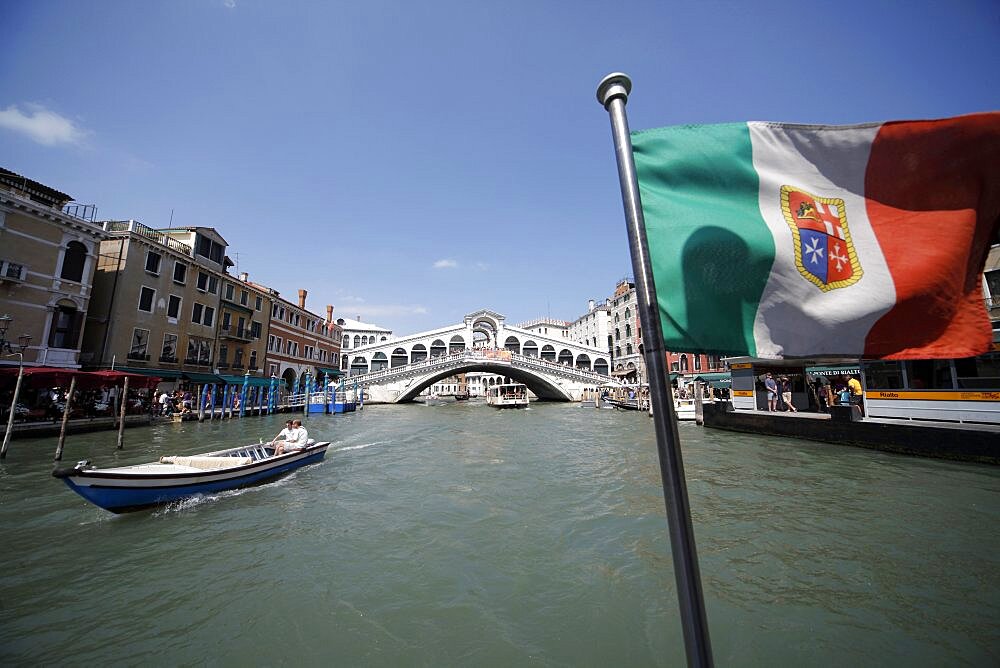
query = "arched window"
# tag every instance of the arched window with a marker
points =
(618, 334)
(684, 363)
(628, 315)
(628, 331)
(357, 340)
(697, 362)
(73, 260)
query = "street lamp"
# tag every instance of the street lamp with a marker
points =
(7, 349)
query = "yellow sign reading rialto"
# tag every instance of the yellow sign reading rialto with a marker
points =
(933, 396)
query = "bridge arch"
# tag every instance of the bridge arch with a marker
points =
(418, 353)
(565, 357)
(542, 387)
(548, 353)
(583, 362)
(379, 361)
(359, 365)
(438, 348)
(512, 344)
(399, 358)
(457, 344)
(601, 366)
(529, 349)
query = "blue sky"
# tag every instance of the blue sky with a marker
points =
(412, 162)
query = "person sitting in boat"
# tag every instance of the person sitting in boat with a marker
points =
(297, 439)
(283, 435)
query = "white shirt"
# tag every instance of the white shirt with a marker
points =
(299, 437)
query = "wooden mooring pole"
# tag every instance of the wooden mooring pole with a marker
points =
(66, 411)
(121, 415)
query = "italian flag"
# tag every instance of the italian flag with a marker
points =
(774, 240)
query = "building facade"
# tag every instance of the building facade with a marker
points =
(244, 325)
(626, 335)
(156, 299)
(547, 327)
(594, 327)
(301, 342)
(47, 262)
(357, 334)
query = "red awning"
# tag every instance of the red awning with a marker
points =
(43, 376)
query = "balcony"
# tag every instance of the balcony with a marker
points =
(236, 333)
(135, 227)
(168, 359)
(238, 367)
(194, 361)
(223, 365)
(139, 357)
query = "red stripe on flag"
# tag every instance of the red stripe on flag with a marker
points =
(933, 199)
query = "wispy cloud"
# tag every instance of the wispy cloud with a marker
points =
(41, 125)
(445, 264)
(229, 4)
(350, 306)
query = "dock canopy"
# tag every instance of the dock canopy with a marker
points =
(251, 381)
(720, 380)
(331, 373)
(205, 378)
(163, 374)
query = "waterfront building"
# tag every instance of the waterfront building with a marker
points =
(357, 334)
(548, 327)
(48, 251)
(594, 327)
(301, 342)
(451, 386)
(478, 382)
(244, 325)
(156, 299)
(626, 335)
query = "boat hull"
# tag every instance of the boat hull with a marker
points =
(120, 492)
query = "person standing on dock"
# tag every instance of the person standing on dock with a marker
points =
(854, 385)
(772, 392)
(786, 394)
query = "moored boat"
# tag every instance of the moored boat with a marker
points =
(127, 488)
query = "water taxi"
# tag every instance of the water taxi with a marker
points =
(508, 395)
(127, 488)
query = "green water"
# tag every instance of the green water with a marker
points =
(462, 535)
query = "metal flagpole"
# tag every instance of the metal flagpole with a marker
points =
(613, 93)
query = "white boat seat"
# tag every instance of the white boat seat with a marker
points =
(207, 463)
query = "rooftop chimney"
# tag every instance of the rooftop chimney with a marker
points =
(244, 277)
(329, 312)
(358, 318)
(302, 297)
(590, 305)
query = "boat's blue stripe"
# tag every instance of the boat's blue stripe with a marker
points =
(111, 498)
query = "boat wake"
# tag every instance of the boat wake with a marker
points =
(360, 447)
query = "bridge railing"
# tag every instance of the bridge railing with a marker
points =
(494, 357)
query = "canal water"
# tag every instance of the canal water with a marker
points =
(462, 535)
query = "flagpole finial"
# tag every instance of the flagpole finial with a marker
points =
(616, 84)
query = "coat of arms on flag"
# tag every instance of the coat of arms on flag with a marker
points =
(824, 252)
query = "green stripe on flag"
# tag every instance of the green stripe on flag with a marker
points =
(709, 247)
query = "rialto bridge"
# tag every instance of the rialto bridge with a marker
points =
(553, 368)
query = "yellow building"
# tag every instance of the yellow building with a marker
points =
(47, 261)
(156, 299)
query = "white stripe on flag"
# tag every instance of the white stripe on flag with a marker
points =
(795, 318)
